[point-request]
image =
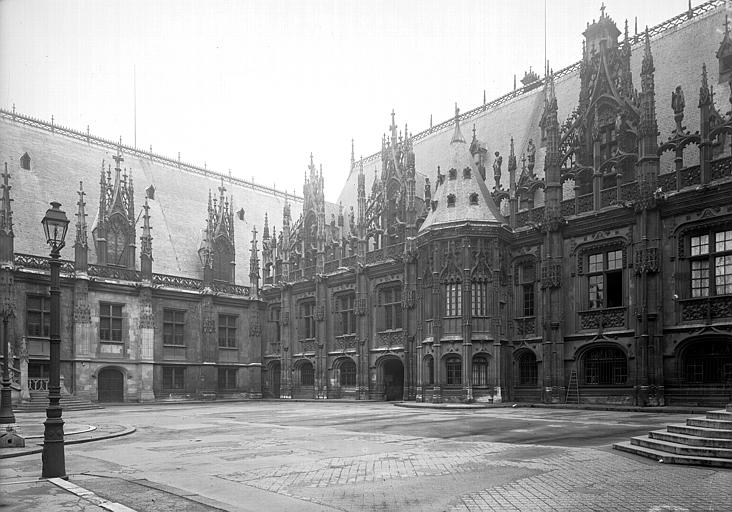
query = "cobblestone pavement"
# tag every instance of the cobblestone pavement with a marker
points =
(316, 456)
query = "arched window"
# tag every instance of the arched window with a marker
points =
(25, 162)
(348, 373)
(605, 366)
(307, 374)
(480, 370)
(116, 244)
(453, 371)
(527, 369)
(429, 370)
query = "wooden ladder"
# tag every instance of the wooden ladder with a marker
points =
(572, 389)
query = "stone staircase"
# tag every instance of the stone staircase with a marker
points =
(39, 402)
(701, 441)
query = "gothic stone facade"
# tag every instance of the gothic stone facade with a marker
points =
(601, 278)
(596, 268)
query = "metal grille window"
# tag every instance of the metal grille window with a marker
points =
(174, 377)
(307, 319)
(110, 322)
(605, 279)
(711, 263)
(453, 299)
(227, 379)
(227, 331)
(346, 313)
(453, 371)
(391, 302)
(38, 316)
(348, 373)
(307, 375)
(527, 369)
(173, 327)
(605, 366)
(480, 371)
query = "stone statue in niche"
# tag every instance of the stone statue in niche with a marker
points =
(531, 154)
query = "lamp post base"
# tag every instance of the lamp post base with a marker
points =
(53, 457)
(6, 404)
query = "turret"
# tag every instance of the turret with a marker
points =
(146, 257)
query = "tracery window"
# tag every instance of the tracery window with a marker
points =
(710, 262)
(526, 288)
(453, 298)
(116, 244)
(479, 297)
(346, 314)
(307, 319)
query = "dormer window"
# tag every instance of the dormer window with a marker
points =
(453, 174)
(451, 201)
(434, 205)
(25, 162)
(150, 192)
(466, 173)
(474, 199)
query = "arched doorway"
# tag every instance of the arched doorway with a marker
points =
(110, 385)
(274, 371)
(392, 372)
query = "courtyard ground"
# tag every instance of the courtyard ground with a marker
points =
(308, 456)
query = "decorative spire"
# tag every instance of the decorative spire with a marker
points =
(705, 95)
(81, 235)
(647, 65)
(6, 216)
(265, 232)
(457, 137)
(254, 263)
(353, 156)
(146, 257)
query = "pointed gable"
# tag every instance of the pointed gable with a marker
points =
(461, 195)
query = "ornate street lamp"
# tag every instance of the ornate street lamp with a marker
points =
(55, 225)
(6, 408)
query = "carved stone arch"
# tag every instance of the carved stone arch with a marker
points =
(584, 248)
(709, 219)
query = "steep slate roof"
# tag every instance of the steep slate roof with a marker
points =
(466, 184)
(177, 214)
(678, 52)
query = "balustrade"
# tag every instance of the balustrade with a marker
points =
(38, 384)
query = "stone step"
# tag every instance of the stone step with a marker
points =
(699, 431)
(719, 415)
(680, 449)
(669, 458)
(700, 422)
(729, 408)
(685, 439)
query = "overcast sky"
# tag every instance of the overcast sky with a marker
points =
(256, 86)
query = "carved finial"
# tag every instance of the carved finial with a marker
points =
(602, 10)
(6, 216)
(457, 136)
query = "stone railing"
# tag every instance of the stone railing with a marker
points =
(374, 256)
(41, 263)
(122, 274)
(690, 176)
(706, 308)
(629, 191)
(390, 338)
(37, 384)
(667, 182)
(177, 282)
(722, 168)
(568, 207)
(232, 289)
(525, 326)
(345, 342)
(608, 196)
(584, 203)
(605, 318)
